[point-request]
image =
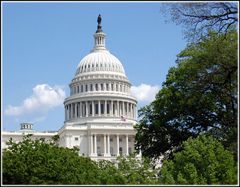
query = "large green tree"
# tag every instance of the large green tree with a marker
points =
(41, 162)
(202, 161)
(199, 95)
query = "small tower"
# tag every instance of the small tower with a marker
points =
(99, 36)
(26, 126)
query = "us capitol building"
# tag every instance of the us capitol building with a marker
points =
(99, 113)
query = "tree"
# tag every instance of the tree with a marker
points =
(202, 161)
(199, 18)
(137, 170)
(110, 174)
(199, 95)
(41, 162)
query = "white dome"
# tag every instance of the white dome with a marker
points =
(100, 60)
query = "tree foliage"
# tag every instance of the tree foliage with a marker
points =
(199, 95)
(137, 170)
(202, 161)
(42, 162)
(198, 18)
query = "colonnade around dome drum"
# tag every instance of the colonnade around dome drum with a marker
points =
(111, 86)
(96, 108)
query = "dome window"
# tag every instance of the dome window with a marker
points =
(96, 87)
(91, 87)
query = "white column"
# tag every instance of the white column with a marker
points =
(80, 109)
(131, 110)
(105, 107)
(95, 145)
(91, 144)
(99, 108)
(115, 108)
(86, 102)
(118, 108)
(108, 143)
(127, 144)
(93, 108)
(104, 142)
(65, 113)
(111, 110)
(75, 110)
(71, 111)
(117, 145)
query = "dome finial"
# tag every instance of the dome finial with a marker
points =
(99, 27)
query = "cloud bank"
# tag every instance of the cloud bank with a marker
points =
(43, 99)
(145, 92)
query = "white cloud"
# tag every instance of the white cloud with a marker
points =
(145, 92)
(44, 97)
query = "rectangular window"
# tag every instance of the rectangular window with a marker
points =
(76, 138)
(96, 108)
(107, 87)
(91, 87)
(96, 87)
(86, 88)
(102, 108)
(101, 86)
(81, 88)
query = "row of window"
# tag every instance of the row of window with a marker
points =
(97, 67)
(99, 76)
(98, 139)
(100, 87)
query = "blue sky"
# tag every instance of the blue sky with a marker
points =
(42, 44)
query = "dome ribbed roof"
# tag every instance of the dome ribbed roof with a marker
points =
(100, 60)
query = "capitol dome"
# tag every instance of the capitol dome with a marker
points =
(100, 89)
(100, 61)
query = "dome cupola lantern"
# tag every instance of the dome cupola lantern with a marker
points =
(99, 36)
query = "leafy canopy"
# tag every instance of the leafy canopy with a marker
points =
(202, 161)
(199, 95)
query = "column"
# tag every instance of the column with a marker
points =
(95, 145)
(130, 110)
(80, 109)
(117, 145)
(126, 144)
(93, 108)
(104, 142)
(115, 108)
(91, 144)
(127, 105)
(99, 108)
(111, 110)
(70, 111)
(75, 110)
(105, 107)
(65, 113)
(86, 102)
(118, 109)
(108, 143)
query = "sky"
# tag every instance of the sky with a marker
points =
(42, 44)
